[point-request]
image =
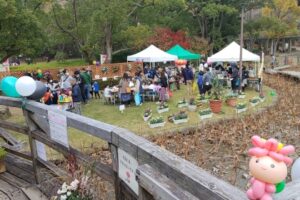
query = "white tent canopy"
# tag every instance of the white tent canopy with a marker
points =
(152, 54)
(231, 53)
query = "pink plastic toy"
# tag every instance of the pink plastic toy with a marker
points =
(268, 166)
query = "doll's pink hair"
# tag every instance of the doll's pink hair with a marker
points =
(270, 148)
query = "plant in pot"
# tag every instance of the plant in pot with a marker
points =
(2, 157)
(182, 103)
(254, 101)
(163, 108)
(231, 99)
(192, 105)
(217, 91)
(147, 114)
(156, 122)
(241, 107)
(205, 114)
(180, 117)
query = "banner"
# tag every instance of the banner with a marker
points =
(103, 58)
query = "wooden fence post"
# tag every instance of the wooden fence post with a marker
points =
(32, 127)
(115, 165)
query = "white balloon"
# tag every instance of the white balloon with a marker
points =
(296, 170)
(25, 86)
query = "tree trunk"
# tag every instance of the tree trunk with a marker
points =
(108, 42)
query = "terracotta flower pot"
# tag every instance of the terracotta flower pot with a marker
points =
(2, 166)
(231, 102)
(215, 106)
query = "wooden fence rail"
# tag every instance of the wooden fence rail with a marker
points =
(160, 174)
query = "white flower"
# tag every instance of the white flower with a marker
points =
(63, 197)
(74, 184)
(64, 186)
(69, 193)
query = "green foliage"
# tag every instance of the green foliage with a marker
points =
(205, 112)
(241, 105)
(231, 96)
(136, 37)
(163, 106)
(157, 120)
(60, 56)
(2, 153)
(181, 115)
(217, 90)
(20, 31)
(255, 100)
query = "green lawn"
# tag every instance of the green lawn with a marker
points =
(50, 65)
(132, 119)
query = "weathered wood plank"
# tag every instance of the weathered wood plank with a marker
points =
(13, 180)
(101, 169)
(291, 192)
(17, 152)
(190, 177)
(41, 121)
(53, 168)
(159, 186)
(12, 102)
(14, 127)
(9, 139)
(32, 127)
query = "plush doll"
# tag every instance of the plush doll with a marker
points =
(268, 166)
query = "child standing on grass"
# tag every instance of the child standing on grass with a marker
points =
(96, 89)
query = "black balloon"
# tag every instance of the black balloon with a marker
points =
(39, 91)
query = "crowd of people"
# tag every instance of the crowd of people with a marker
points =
(72, 90)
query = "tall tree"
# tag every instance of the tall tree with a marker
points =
(20, 30)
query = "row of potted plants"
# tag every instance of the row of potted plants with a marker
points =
(178, 118)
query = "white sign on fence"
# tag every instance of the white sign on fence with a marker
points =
(127, 170)
(58, 128)
(41, 151)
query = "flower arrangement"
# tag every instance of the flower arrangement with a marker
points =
(205, 112)
(192, 101)
(181, 115)
(163, 106)
(3, 153)
(231, 96)
(104, 70)
(157, 120)
(75, 191)
(115, 69)
(129, 67)
(182, 103)
(255, 100)
(240, 106)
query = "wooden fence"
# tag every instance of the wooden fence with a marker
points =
(157, 173)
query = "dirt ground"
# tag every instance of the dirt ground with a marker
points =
(221, 148)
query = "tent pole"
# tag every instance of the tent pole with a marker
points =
(241, 48)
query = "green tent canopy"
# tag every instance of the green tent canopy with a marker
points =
(183, 53)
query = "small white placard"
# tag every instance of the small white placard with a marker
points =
(97, 77)
(41, 151)
(122, 108)
(58, 128)
(127, 170)
(104, 79)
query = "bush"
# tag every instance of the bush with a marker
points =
(60, 56)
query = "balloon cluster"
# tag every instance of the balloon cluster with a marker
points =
(180, 62)
(25, 86)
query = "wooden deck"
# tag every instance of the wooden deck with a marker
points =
(18, 183)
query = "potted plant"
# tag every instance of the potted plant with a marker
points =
(147, 114)
(163, 108)
(115, 69)
(254, 101)
(231, 99)
(205, 114)
(242, 95)
(156, 122)
(261, 98)
(180, 117)
(241, 107)
(215, 101)
(192, 105)
(182, 103)
(2, 157)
